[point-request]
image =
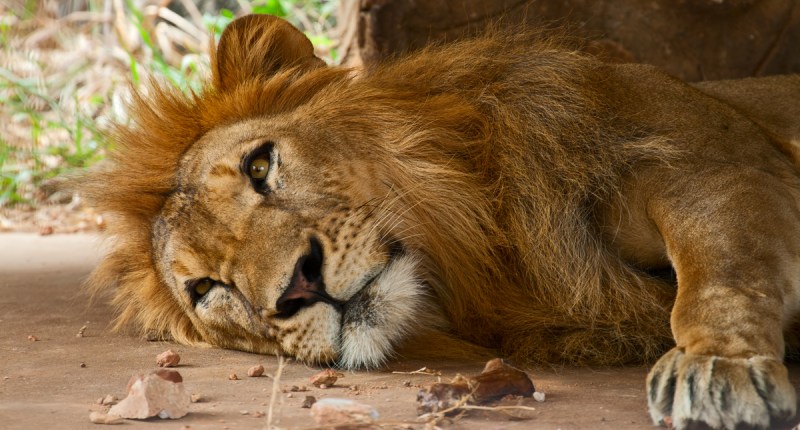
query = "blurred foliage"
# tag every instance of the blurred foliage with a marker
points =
(66, 68)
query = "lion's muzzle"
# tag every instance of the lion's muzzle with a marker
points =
(307, 286)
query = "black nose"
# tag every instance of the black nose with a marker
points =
(307, 286)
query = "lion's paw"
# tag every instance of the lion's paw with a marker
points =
(719, 392)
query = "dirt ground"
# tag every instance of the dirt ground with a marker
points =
(44, 384)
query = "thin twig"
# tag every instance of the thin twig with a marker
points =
(421, 371)
(276, 388)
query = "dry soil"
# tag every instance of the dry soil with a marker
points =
(54, 382)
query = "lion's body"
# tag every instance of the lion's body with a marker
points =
(505, 192)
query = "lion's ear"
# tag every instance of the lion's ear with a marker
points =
(258, 46)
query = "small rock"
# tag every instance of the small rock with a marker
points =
(244, 412)
(406, 383)
(233, 377)
(33, 338)
(81, 331)
(323, 387)
(46, 230)
(497, 380)
(258, 414)
(102, 418)
(290, 395)
(309, 402)
(538, 396)
(327, 377)
(161, 393)
(168, 358)
(333, 411)
(108, 400)
(196, 398)
(83, 364)
(295, 388)
(255, 371)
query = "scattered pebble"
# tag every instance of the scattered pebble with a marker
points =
(161, 393)
(168, 358)
(83, 364)
(81, 331)
(196, 398)
(33, 338)
(46, 230)
(233, 377)
(244, 412)
(538, 396)
(309, 401)
(103, 418)
(333, 411)
(323, 387)
(108, 400)
(296, 389)
(406, 383)
(255, 371)
(497, 381)
(258, 414)
(327, 377)
(290, 395)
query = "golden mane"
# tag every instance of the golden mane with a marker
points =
(452, 125)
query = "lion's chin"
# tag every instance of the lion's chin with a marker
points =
(381, 315)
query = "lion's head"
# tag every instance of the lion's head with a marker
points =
(253, 216)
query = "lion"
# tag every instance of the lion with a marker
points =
(501, 195)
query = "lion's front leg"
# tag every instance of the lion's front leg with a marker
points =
(735, 247)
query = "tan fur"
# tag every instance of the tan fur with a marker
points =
(535, 194)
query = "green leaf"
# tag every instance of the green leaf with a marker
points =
(270, 7)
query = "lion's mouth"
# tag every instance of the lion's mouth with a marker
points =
(382, 314)
(360, 308)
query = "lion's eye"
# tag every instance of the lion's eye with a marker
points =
(259, 168)
(198, 288)
(202, 287)
(256, 166)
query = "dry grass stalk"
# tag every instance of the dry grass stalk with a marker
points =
(276, 389)
(421, 371)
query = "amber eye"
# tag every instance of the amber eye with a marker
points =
(259, 168)
(202, 286)
(198, 288)
(256, 166)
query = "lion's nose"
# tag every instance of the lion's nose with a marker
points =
(307, 285)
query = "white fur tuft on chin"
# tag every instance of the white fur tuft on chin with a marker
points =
(368, 336)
